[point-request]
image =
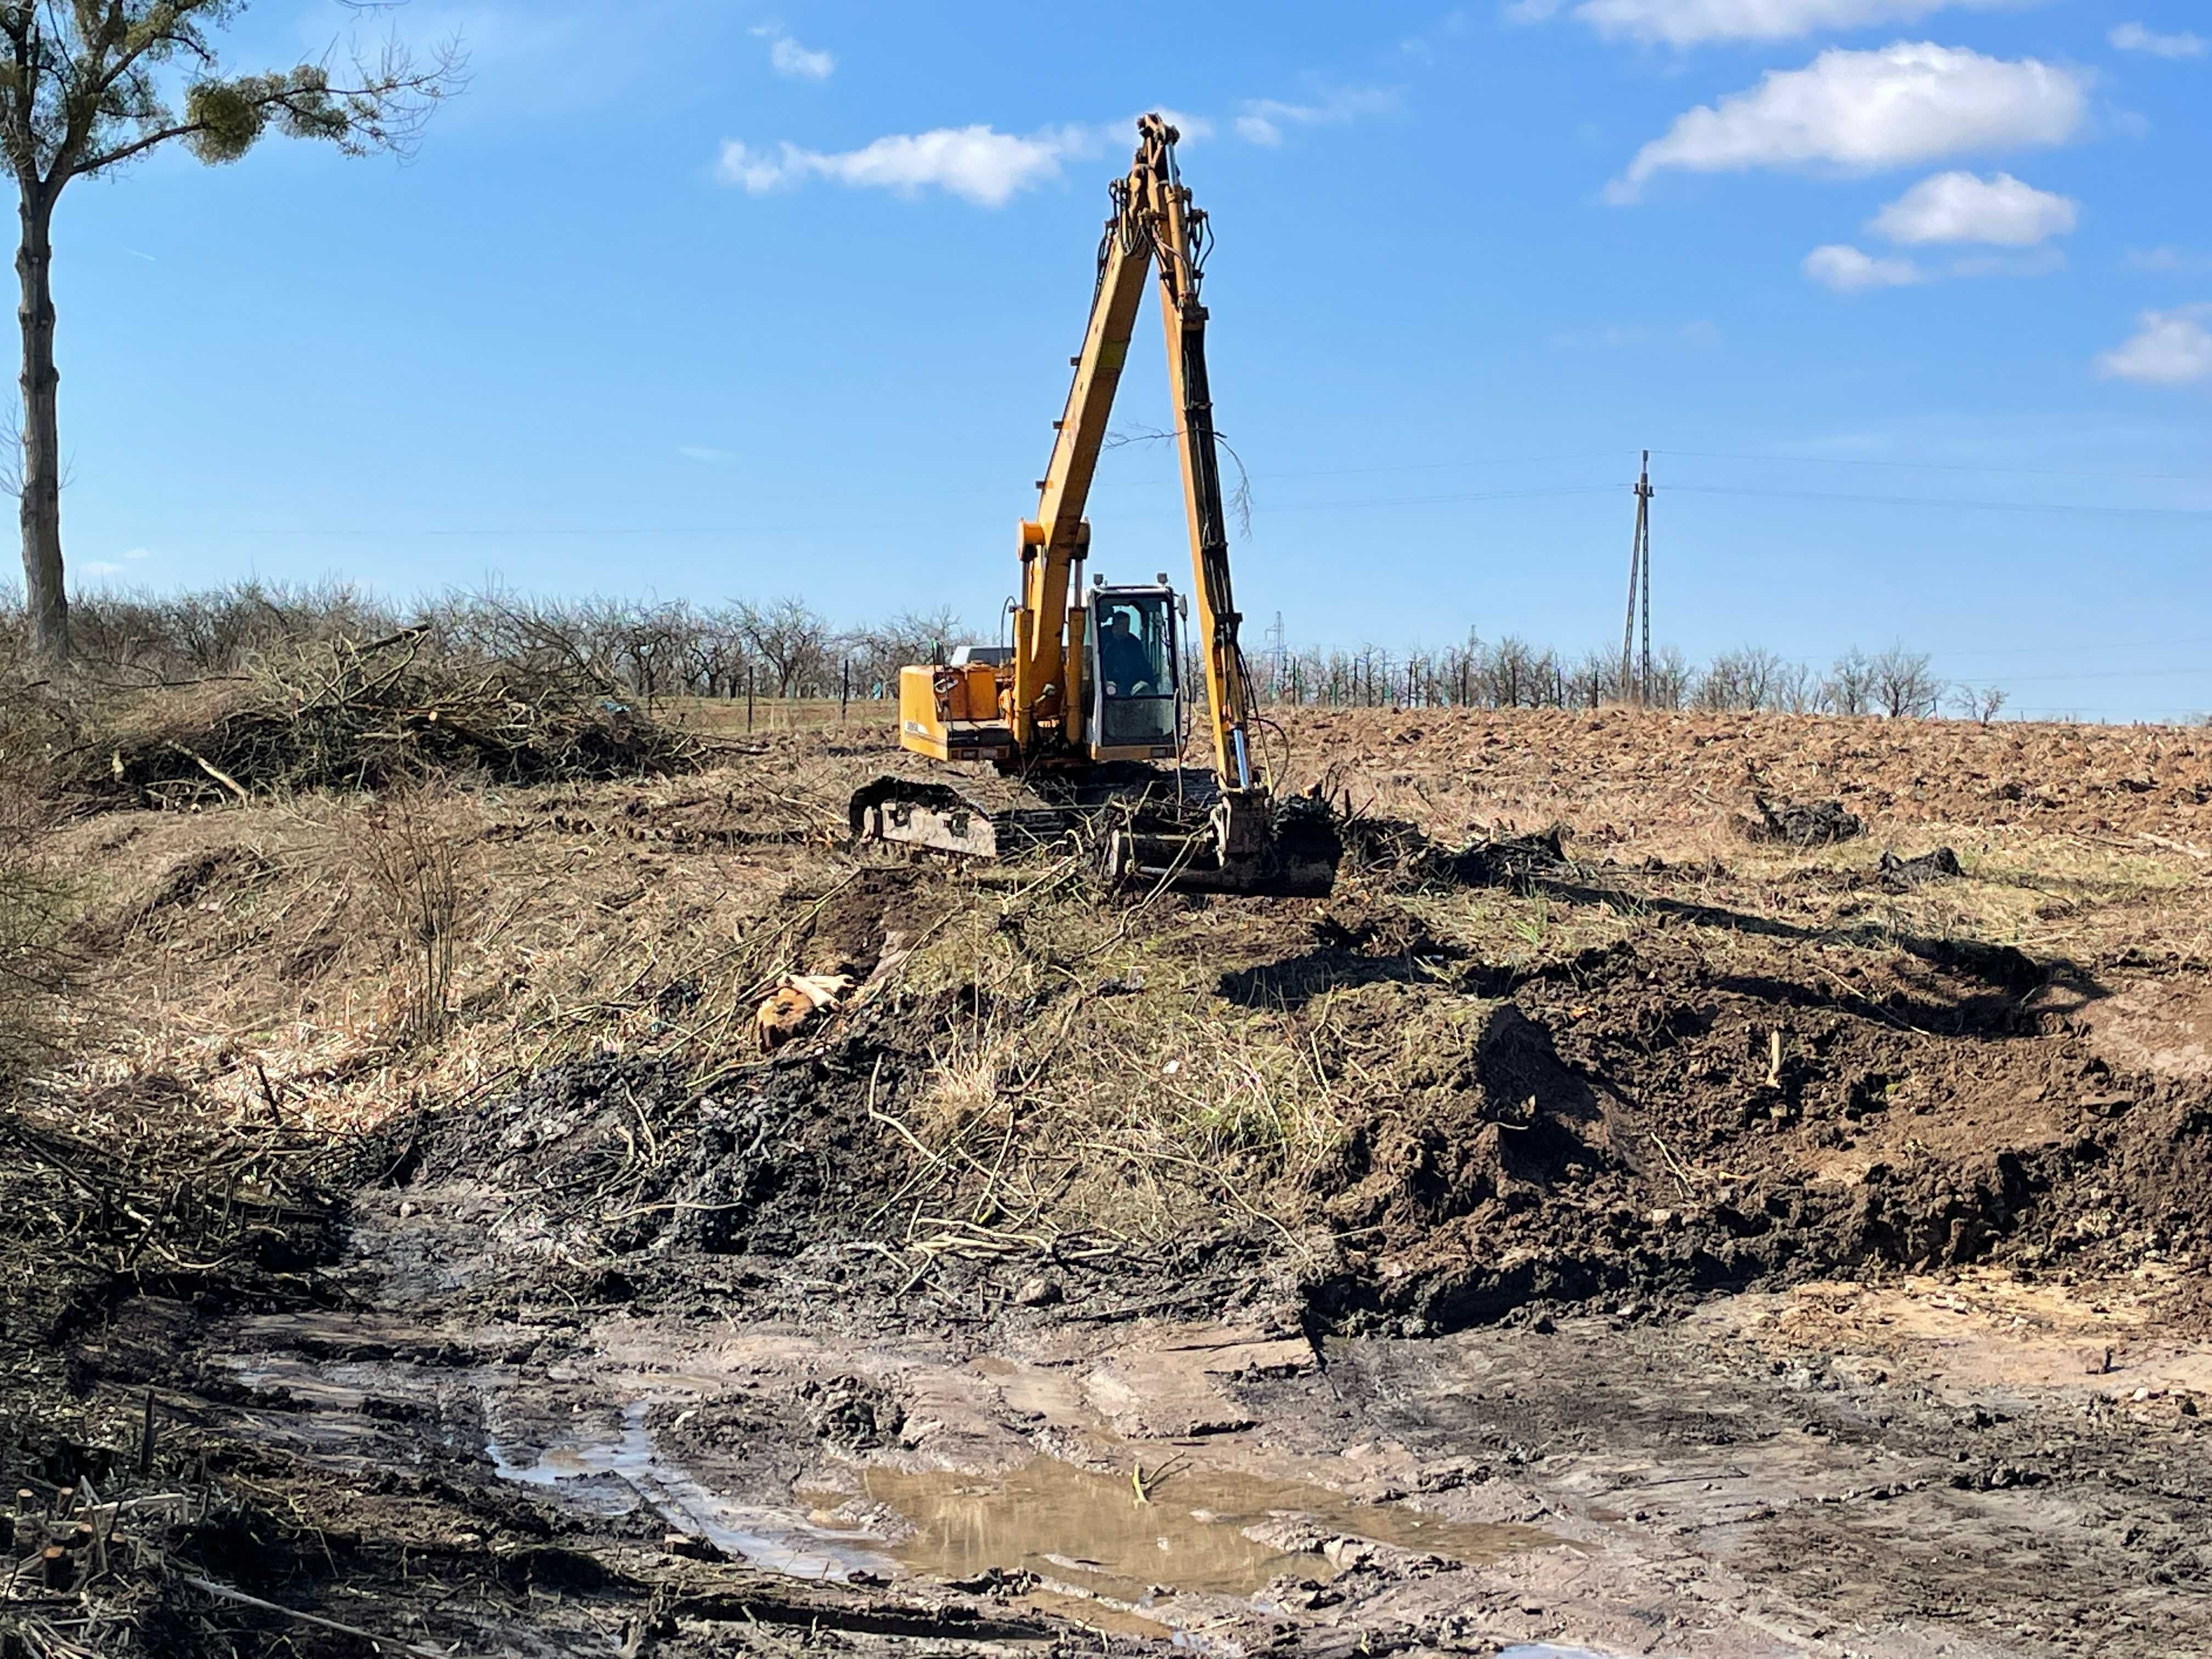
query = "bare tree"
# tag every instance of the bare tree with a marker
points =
(790, 638)
(1671, 679)
(1903, 685)
(717, 652)
(1512, 670)
(879, 650)
(1798, 689)
(84, 90)
(1850, 683)
(1744, 679)
(1979, 703)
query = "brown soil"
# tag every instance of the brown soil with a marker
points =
(1674, 1150)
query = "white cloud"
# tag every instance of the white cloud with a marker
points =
(1959, 206)
(2170, 348)
(1848, 271)
(137, 553)
(978, 164)
(1264, 119)
(2133, 37)
(99, 568)
(1691, 22)
(791, 60)
(1905, 104)
(704, 455)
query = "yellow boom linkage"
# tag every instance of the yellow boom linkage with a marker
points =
(1087, 696)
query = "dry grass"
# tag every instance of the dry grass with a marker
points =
(305, 941)
(1132, 1104)
(1088, 1079)
(410, 850)
(35, 904)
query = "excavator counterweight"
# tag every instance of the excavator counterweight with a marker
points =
(1081, 721)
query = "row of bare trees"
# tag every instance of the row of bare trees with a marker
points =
(644, 650)
(651, 650)
(1512, 673)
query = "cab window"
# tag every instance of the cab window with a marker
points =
(1133, 659)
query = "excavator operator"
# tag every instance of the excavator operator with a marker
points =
(1123, 662)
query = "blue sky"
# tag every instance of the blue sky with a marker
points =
(1913, 299)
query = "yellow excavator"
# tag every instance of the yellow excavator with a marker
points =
(1081, 720)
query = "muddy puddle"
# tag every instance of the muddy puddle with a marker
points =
(610, 1476)
(1209, 1531)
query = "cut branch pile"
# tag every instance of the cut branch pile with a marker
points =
(339, 714)
(137, 1195)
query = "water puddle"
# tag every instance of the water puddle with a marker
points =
(1088, 1530)
(611, 1472)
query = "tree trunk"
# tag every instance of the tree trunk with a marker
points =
(42, 474)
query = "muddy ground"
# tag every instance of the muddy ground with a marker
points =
(1658, 1239)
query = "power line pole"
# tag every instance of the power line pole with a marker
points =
(1635, 676)
(1644, 492)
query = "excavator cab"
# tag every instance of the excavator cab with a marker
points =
(1131, 663)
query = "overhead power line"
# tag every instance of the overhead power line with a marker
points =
(1939, 466)
(2077, 645)
(1947, 501)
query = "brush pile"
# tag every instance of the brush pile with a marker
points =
(136, 1192)
(341, 713)
(1404, 855)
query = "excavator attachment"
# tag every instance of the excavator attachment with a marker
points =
(1249, 843)
(1144, 828)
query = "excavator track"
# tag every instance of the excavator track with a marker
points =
(1150, 826)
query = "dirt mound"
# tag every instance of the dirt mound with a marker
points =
(1642, 1128)
(1803, 823)
(842, 928)
(1489, 1117)
(1903, 875)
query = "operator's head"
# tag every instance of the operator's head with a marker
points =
(1119, 623)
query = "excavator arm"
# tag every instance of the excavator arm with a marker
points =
(1180, 238)
(1048, 630)
(1154, 228)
